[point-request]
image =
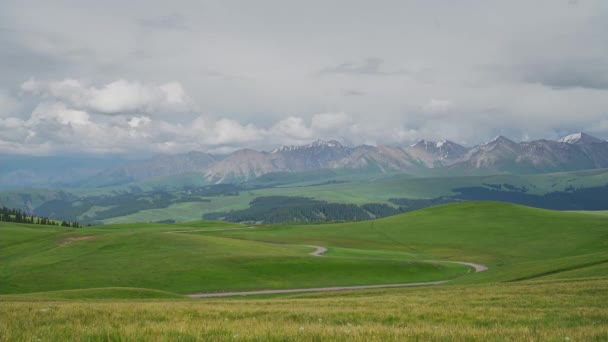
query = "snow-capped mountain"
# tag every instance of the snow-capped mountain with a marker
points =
(247, 164)
(444, 150)
(574, 152)
(316, 144)
(580, 138)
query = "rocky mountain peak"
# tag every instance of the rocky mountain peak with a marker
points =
(501, 139)
(579, 139)
(325, 143)
(315, 144)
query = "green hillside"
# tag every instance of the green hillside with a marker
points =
(185, 198)
(516, 242)
(546, 279)
(151, 256)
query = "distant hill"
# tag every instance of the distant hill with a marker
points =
(574, 152)
(158, 166)
(51, 171)
(578, 151)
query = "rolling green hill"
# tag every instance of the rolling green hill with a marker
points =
(150, 256)
(516, 242)
(546, 279)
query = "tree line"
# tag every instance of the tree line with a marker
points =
(19, 216)
(278, 209)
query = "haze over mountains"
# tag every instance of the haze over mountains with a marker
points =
(501, 155)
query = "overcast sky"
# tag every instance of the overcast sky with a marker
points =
(172, 76)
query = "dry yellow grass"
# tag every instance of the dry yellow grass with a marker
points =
(532, 311)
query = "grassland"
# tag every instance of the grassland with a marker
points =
(150, 256)
(548, 279)
(350, 188)
(597, 212)
(529, 311)
(370, 190)
(516, 242)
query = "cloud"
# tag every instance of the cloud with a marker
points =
(173, 21)
(352, 92)
(568, 74)
(8, 105)
(59, 113)
(137, 121)
(291, 129)
(330, 121)
(436, 106)
(228, 132)
(369, 66)
(116, 97)
(226, 75)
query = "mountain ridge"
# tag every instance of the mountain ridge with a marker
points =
(500, 155)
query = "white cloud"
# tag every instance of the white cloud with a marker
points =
(117, 97)
(291, 129)
(328, 121)
(227, 132)
(437, 106)
(461, 71)
(8, 105)
(59, 113)
(137, 121)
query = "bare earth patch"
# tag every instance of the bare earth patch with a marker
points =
(71, 240)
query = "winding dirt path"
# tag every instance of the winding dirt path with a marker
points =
(314, 289)
(206, 230)
(478, 267)
(318, 252)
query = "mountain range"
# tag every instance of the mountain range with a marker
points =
(578, 151)
(501, 155)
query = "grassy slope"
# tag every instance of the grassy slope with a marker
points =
(597, 212)
(145, 256)
(186, 211)
(515, 241)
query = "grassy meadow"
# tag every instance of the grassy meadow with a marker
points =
(528, 311)
(334, 187)
(547, 278)
(378, 189)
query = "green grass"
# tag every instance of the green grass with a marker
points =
(548, 279)
(372, 190)
(593, 212)
(516, 242)
(186, 211)
(146, 256)
(92, 294)
(360, 188)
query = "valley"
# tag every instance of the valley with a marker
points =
(323, 183)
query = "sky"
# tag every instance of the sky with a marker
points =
(146, 77)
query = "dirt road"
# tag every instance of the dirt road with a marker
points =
(319, 251)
